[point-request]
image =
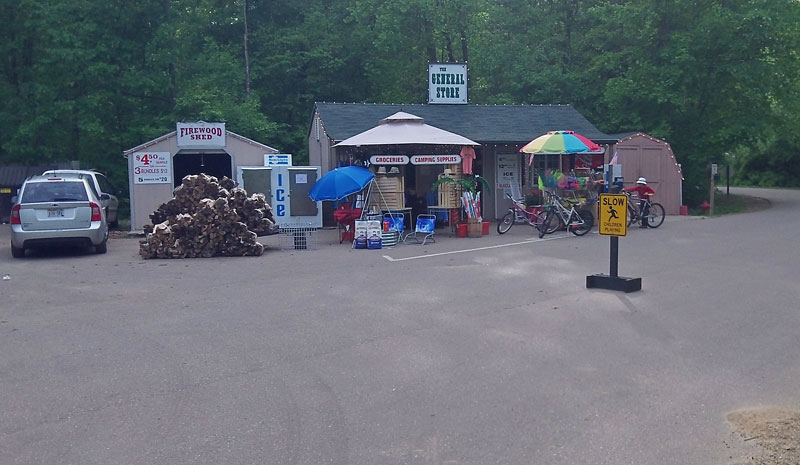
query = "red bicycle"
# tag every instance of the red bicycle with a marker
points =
(519, 214)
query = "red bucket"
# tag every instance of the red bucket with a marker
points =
(461, 230)
(485, 229)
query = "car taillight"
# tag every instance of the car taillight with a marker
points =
(96, 216)
(15, 214)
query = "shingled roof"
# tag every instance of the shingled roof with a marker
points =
(15, 175)
(486, 124)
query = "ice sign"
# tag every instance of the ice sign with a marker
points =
(151, 168)
(277, 159)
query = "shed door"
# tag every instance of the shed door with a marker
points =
(629, 158)
(300, 182)
(651, 165)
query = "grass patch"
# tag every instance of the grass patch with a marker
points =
(729, 204)
(725, 205)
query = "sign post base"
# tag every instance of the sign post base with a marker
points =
(614, 283)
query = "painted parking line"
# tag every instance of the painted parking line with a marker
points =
(476, 249)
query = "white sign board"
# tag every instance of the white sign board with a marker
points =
(201, 135)
(507, 172)
(151, 168)
(388, 160)
(447, 83)
(277, 159)
(435, 159)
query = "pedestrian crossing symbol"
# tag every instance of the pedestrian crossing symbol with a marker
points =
(613, 214)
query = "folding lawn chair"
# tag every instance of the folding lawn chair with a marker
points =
(424, 229)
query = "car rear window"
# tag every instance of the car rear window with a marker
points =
(54, 191)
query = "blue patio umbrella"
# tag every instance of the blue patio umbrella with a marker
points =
(340, 182)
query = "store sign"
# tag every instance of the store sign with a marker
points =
(277, 159)
(151, 168)
(201, 134)
(435, 159)
(507, 172)
(388, 160)
(447, 83)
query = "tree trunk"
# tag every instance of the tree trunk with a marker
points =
(246, 55)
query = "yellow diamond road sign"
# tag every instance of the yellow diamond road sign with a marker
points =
(613, 214)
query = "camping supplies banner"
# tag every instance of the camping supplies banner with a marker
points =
(435, 159)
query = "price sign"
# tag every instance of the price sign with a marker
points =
(151, 168)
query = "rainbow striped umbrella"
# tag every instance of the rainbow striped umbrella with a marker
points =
(560, 142)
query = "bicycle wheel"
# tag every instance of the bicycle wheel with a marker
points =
(632, 216)
(505, 224)
(543, 228)
(656, 216)
(538, 221)
(584, 223)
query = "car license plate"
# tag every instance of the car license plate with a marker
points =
(55, 212)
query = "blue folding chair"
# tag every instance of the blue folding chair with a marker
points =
(423, 230)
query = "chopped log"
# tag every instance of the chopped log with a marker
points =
(207, 217)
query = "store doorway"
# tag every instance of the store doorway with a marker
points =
(213, 164)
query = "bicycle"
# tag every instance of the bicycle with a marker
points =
(517, 213)
(575, 221)
(654, 219)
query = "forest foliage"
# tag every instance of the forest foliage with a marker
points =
(86, 79)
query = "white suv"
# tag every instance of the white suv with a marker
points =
(54, 211)
(101, 185)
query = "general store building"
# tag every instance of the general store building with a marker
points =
(501, 130)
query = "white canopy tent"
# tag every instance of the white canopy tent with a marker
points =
(404, 129)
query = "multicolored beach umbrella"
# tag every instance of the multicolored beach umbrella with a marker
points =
(561, 142)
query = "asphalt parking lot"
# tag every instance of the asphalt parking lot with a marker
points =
(464, 351)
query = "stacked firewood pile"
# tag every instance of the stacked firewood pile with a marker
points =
(207, 218)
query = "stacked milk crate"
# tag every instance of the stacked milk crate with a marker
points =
(388, 193)
(450, 192)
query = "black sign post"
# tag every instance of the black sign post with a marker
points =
(613, 222)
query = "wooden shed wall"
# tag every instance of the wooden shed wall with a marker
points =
(645, 156)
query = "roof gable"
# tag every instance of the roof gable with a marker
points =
(174, 134)
(486, 124)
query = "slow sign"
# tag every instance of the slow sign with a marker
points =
(613, 214)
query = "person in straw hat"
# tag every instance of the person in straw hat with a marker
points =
(645, 192)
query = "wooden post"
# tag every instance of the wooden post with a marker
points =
(711, 190)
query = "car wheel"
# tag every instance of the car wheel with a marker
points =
(17, 252)
(101, 247)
